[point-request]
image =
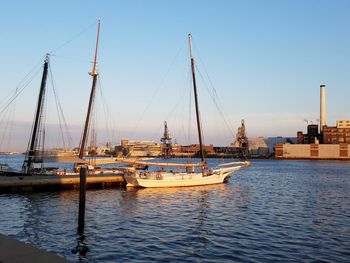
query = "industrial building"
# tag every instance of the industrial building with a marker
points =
(320, 141)
(338, 134)
(312, 151)
(139, 148)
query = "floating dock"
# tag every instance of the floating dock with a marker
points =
(14, 184)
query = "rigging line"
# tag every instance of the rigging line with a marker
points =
(105, 110)
(93, 126)
(17, 93)
(9, 127)
(171, 112)
(30, 136)
(72, 58)
(28, 145)
(187, 86)
(199, 114)
(66, 127)
(42, 122)
(5, 128)
(212, 86)
(57, 106)
(73, 38)
(182, 114)
(15, 90)
(157, 89)
(189, 113)
(213, 97)
(61, 117)
(89, 123)
(4, 117)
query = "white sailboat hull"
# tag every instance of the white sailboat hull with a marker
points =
(178, 179)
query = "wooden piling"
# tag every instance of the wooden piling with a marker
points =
(82, 197)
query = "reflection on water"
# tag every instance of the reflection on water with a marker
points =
(275, 211)
(82, 246)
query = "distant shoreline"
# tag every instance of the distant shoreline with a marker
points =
(10, 153)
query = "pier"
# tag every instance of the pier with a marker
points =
(14, 184)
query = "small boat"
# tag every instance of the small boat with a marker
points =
(185, 174)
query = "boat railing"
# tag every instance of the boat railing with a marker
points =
(150, 175)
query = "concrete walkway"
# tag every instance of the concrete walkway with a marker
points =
(13, 251)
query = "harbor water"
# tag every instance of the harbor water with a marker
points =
(289, 211)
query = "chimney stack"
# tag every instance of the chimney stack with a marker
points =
(322, 106)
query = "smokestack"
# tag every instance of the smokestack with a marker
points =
(322, 106)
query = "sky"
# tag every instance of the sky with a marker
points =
(262, 61)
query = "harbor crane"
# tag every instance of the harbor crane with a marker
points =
(167, 147)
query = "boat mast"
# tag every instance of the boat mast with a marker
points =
(32, 151)
(94, 75)
(196, 100)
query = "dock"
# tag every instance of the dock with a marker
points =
(14, 184)
(13, 251)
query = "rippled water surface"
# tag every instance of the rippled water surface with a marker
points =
(271, 211)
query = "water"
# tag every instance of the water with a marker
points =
(288, 211)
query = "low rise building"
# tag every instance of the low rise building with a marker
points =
(313, 151)
(341, 124)
(140, 148)
(311, 136)
(336, 135)
(194, 149)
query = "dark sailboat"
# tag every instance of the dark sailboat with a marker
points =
(35, 155)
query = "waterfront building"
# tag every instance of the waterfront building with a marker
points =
(329, 134)
(140, 148)
(313, 151)
(258, 147)
(343, 124)
(335, 135)
(311, 136)
(194, 149)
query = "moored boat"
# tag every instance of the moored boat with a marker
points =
(185, 174)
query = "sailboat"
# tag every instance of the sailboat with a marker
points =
(35, 156)
(186, 174)
(91, 168)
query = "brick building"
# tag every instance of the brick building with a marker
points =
(311, 136)
(338, 134)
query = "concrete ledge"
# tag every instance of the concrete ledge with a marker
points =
(13, 251)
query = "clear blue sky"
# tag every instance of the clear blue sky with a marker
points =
(266, 60)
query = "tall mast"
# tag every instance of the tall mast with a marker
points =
(196, 100)
(31, 152)
(94, 75)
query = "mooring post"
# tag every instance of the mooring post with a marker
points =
(82, 197)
